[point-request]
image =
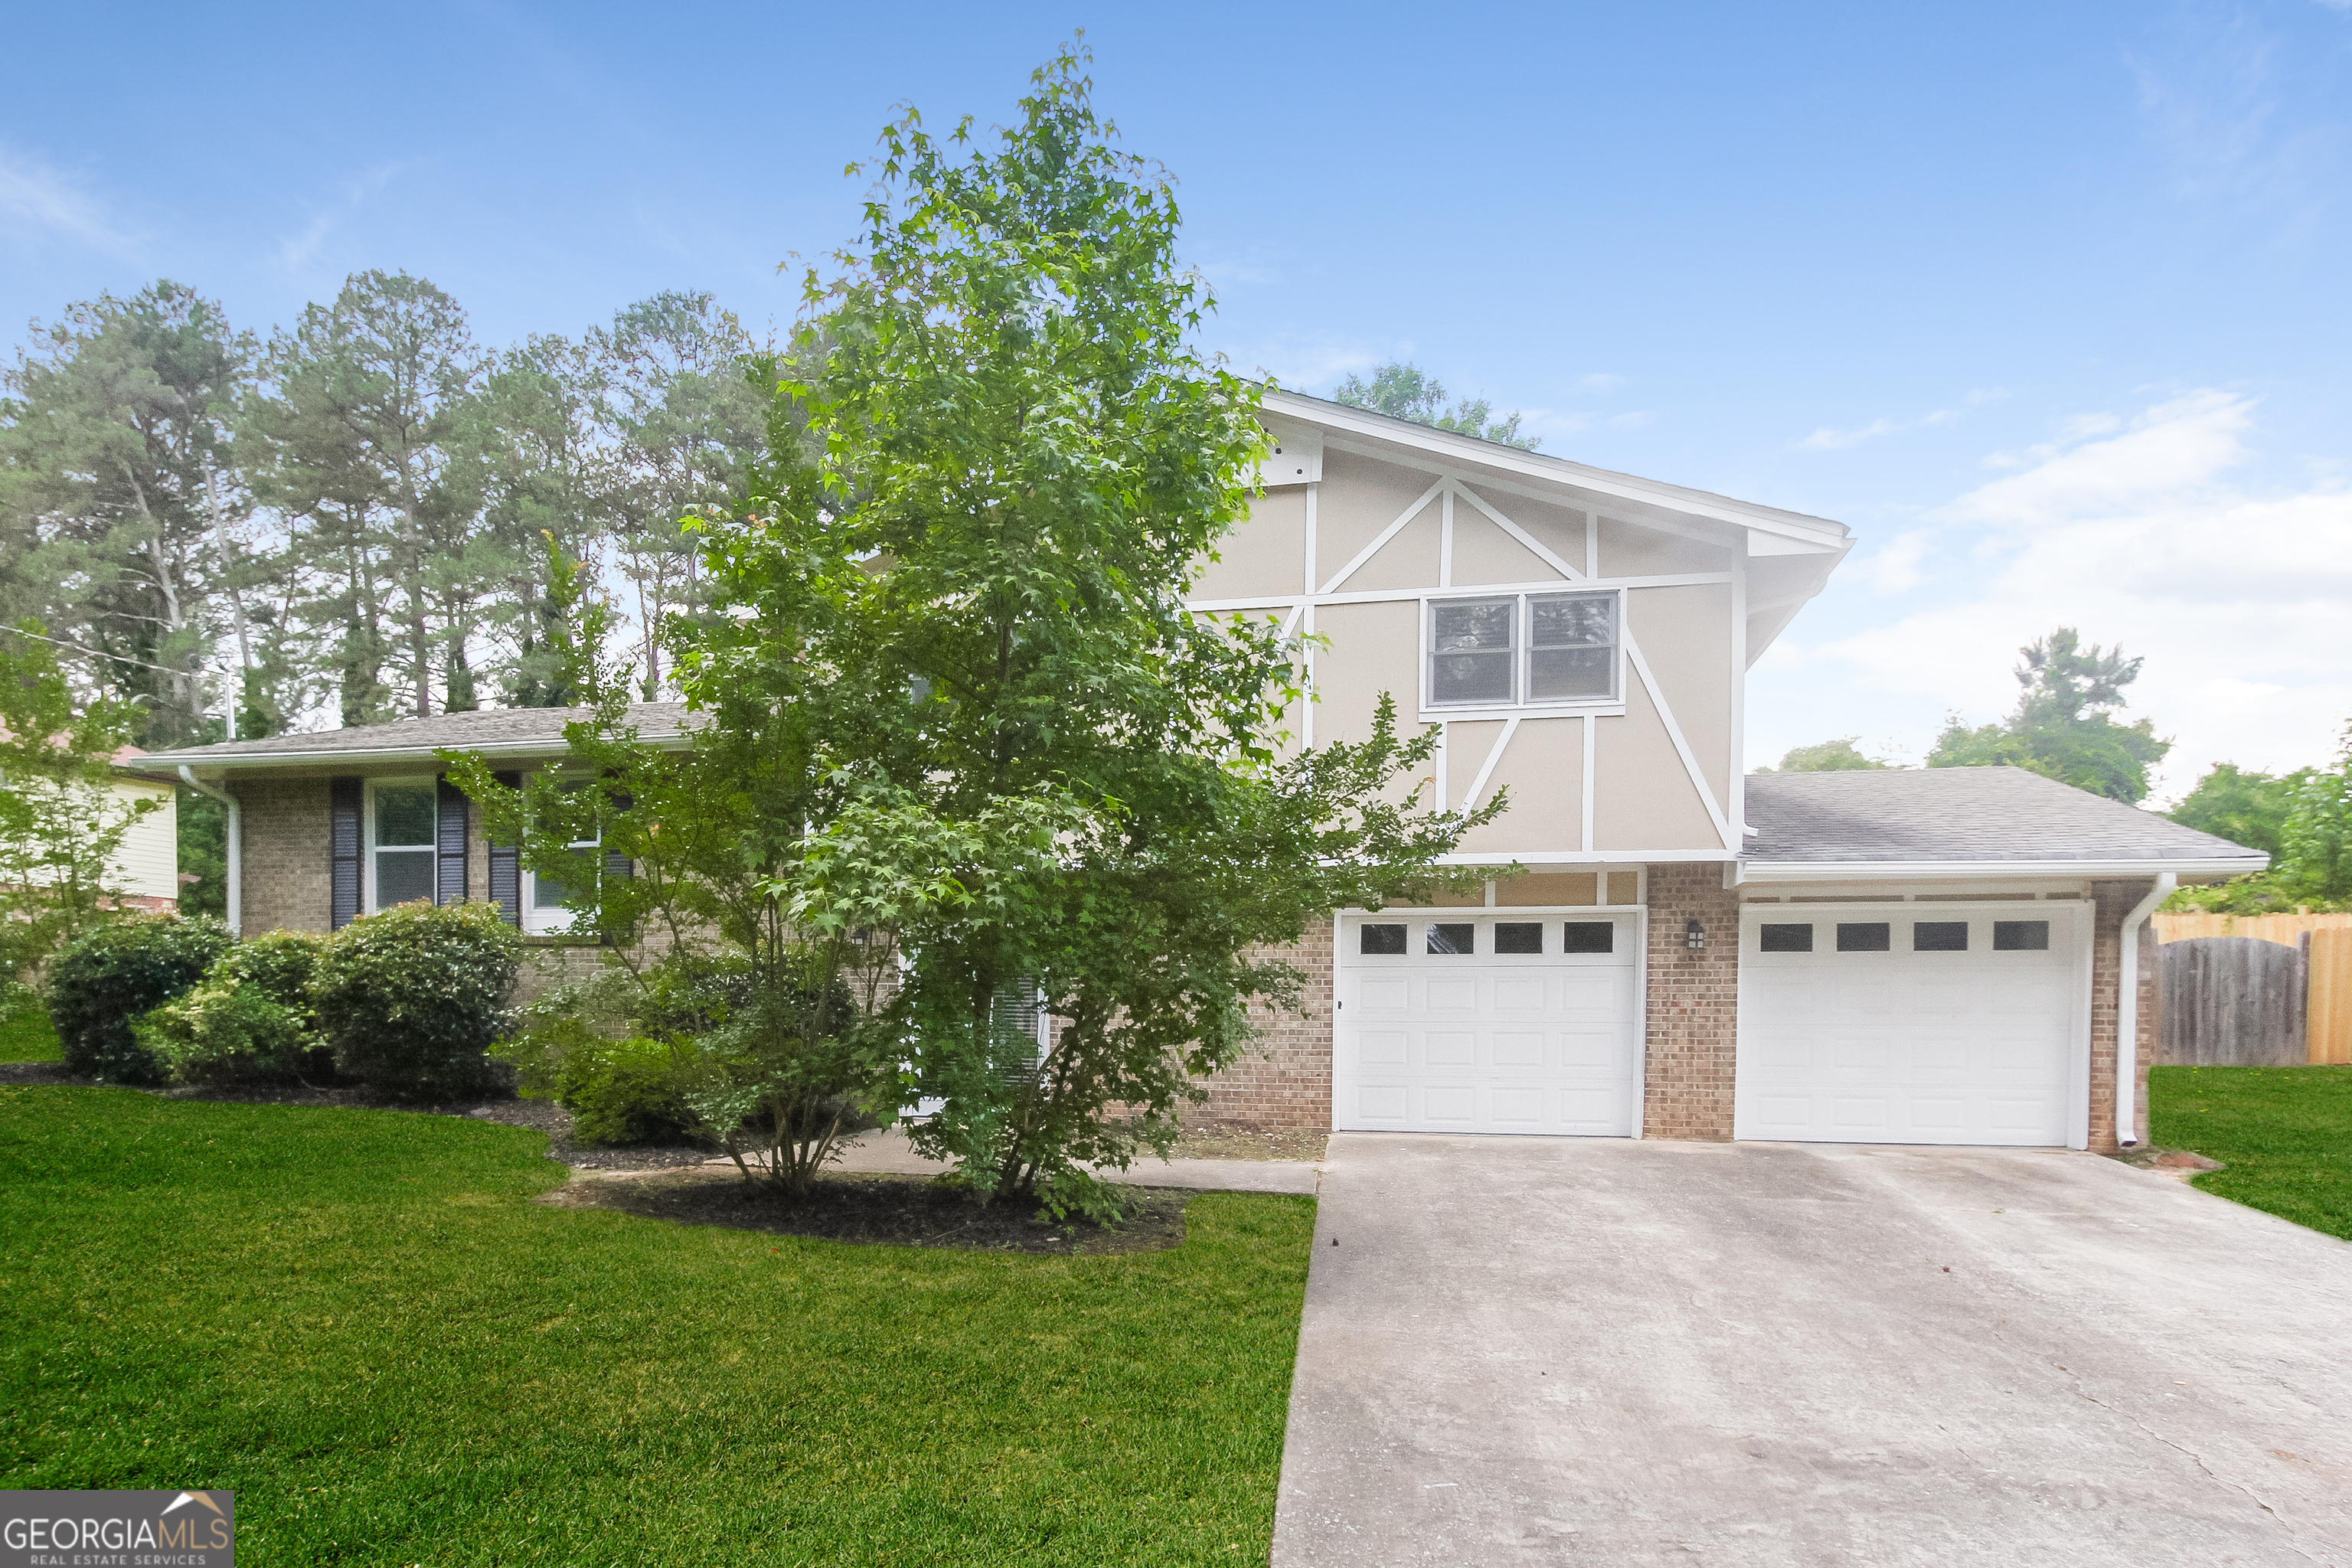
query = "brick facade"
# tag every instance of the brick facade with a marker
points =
(2111, 902)
(1283, 1080)
(1694, 1003)
(282, 872)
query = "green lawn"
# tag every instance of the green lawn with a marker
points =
(26, 1036)
(359, 1321)
(2285, 1134)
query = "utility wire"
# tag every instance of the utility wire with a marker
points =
(93, 653)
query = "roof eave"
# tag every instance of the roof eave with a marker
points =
(517, 750)
(1760, 870)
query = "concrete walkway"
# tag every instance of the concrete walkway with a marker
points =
(1551, 1350)
(887, 1151)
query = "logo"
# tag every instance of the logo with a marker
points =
(118, 1530)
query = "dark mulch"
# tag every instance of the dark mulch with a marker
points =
(36, 1072)
(901, 1211)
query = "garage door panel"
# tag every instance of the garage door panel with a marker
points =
(1969, 1044)
(1482, 1041)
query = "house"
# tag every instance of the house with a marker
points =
(1667, 949)
(143, 872)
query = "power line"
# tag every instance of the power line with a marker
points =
(94, 653)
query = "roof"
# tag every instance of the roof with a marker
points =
(526, 732)
(1993, 818)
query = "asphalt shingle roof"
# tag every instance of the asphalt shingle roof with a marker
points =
(501, 729)
(1959, 814)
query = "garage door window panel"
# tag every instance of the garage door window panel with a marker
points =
(1786, 938)
(1589, 936)
(2021, 936)
(1864, 936)
(1447, 939)
(1518, 937)
(1382, 940)
(1939, 936)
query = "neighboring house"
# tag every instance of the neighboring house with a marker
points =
(1669, 948)
(144, 872)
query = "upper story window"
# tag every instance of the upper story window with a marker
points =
(403, 813)
(1507, 650)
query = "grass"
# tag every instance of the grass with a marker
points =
(26, 1036)
(2285, 1134)
(361, 1323)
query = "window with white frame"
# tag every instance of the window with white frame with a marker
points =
(1509, 650)
(401, 817)
(548, 902)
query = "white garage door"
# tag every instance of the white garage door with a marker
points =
(1913, 1022)
(1486, 1021)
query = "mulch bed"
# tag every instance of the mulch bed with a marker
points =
(1215, 1143)
(899, 1211)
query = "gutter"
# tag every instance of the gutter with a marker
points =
(320, 756)
(2127, 1012)
(1747, 871)
(234, 852)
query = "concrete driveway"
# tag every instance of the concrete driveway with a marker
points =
(1573, 1349)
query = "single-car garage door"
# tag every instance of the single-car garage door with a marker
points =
(1486, 1021)
(1913, 1022)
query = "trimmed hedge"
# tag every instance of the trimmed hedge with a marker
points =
(113, 974)
(250, 1019)
(410, 999)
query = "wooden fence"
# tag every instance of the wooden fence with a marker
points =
(2248, 1000)
(2283, 928)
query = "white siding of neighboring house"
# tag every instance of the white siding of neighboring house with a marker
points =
(147, 865)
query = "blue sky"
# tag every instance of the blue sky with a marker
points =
(2048, 303)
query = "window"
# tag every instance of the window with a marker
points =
(1939, 936)
(400, 841)
(1381, 941)
(2021, 936)
(1508, 651)
(1788, 939)
(548, 901)
(1864, 936)
(1588, 936)
(1519, 936)
(1454, 939)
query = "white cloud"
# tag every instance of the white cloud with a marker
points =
(2234, 595)
(296, 252)
(1603, 381)
(37, 202)
(1301, 362)
(1895, 569)
(1829, 439)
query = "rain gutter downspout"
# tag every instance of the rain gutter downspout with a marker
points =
(234, 849)
(2127, 1011)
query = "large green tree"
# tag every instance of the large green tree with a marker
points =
(1840, 755)
(1408, 391)
(956, 726)
(2304, 819)
(118, 491)
(2063, 726)
(2241, 805)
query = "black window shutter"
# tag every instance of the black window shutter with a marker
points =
(449, 844)
(506, 866)
(344, 798)
(617, 867)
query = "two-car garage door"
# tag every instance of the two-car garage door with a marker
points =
(1487, 1021)
(1912, 1023)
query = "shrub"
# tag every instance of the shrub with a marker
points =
(115, 972)
(249, 1021)
(623, 1091)
(411, 999)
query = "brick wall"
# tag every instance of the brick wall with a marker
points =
(282, 825)
(2111, 902)
(1694, 1004)
(1284, 1081)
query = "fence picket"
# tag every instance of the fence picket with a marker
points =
(2330, 1004)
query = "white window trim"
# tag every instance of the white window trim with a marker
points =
(556, 921)
(1432, 712)
(432, 851)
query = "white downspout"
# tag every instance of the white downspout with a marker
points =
(2127, 1011)
(233, 853)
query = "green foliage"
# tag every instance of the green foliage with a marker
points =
(623, 1091)
(2284, 1135)
(2307, 816)
(249, 1020)
(620, 1050)
(1407, 392)
(411, 1000)
(2240, 805)
(952, 709)
(1828, 757)
(203, 829)
(114, 973)
(415, 1345)
(2062, 728)
(61, 820)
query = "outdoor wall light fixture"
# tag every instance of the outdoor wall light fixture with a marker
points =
(1693, 935)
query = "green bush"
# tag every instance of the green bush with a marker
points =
(411, 999)
(249, 1021)
(623, 1091)
(114, 973)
